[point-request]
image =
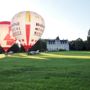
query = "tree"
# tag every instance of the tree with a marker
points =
(72, 45)
(14, 48)
(88, 43)
(40, 45)
(79, 44)
(1, 50)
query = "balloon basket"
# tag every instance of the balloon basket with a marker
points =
(6, 50)
(27, 48)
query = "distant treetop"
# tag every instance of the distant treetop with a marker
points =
(57, 38)
(89, 32)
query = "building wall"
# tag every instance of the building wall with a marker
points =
(57, 45)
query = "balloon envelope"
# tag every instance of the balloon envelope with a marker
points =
(6, 38)
(27, 27)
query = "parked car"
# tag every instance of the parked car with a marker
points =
(10, 52)
(33, 52)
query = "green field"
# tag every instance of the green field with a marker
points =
(68, 70)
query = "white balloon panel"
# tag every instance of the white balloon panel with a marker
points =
(27, 27)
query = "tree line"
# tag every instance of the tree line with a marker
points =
(41, 45)
(79, 44)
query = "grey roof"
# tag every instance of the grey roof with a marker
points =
(62, 41)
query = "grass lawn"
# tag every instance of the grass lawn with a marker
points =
(68, 70)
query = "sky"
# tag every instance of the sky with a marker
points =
(68, 19)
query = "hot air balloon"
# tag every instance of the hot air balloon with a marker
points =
(6, 38)
(27, 27)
